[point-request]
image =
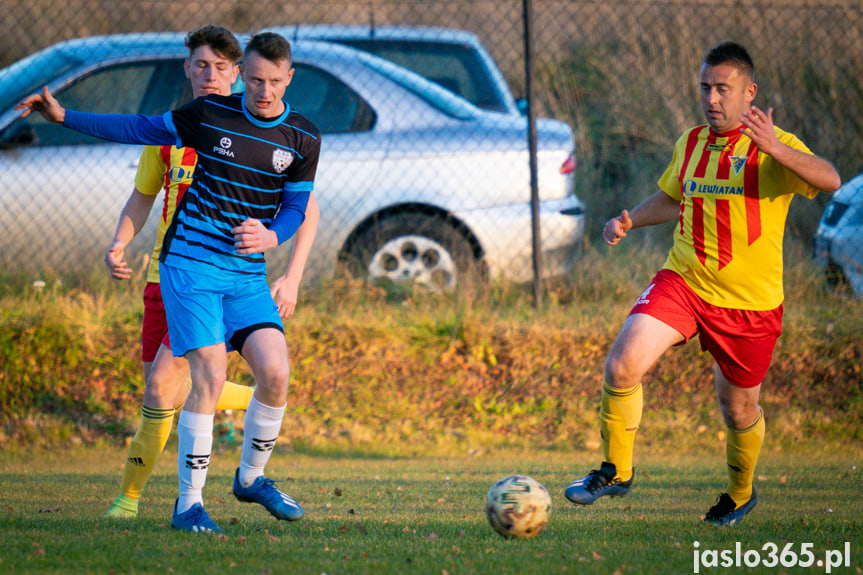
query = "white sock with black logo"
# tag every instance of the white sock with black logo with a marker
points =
(260, 430)
(195, 444)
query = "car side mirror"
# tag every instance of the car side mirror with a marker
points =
(17, 136)
(521, 106)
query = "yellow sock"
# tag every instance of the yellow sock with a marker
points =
(148, 443)
(235, 396)
(742, 447)
(618, 421)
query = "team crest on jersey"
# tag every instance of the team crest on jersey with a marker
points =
(281, 160)
(737, 163)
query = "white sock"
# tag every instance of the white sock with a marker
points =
(260, 430)
(195, 444)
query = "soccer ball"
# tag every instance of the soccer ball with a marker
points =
(518, 506)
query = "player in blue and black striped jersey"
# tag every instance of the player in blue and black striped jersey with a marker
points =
(257, 160)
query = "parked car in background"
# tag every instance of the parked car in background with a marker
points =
(838, 244)
(453, 59)
(61, 192)
(414, 182)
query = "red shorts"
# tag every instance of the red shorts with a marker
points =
(741, 341)
(154, 331)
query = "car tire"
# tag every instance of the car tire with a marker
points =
(416, 248)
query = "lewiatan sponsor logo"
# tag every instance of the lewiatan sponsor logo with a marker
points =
(691, 188)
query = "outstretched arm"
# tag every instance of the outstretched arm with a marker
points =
(132, 219)
(815, 171)
(657, 209)
(123, 128)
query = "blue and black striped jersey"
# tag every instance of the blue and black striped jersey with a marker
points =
(247, 168)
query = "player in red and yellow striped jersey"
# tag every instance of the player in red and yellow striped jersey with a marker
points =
(729, 186)
(167, 167)
(732, 200)
(211, 68)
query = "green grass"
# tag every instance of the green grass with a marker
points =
(411, 406)
(368, 514)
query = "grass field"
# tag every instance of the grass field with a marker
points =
(404, 410)
(425, 515)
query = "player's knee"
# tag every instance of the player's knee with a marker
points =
(212, 375)
(739, 415)
(619, 374)
(163, 387)
(276, 376)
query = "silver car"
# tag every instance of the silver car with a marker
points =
(453, 59)
(414, 183)
(839, 237)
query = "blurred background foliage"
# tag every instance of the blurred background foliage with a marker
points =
(389, 369)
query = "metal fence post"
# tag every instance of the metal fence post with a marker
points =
(531, 142)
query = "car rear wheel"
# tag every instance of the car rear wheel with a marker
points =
(420, 249)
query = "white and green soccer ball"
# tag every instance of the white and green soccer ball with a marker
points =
(518, 506)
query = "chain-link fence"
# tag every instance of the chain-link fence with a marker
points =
(411, 181)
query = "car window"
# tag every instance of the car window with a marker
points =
(136, 88)
(168, 89)
(327, 102)
(456, 67)
(30, 74)
(439, 98)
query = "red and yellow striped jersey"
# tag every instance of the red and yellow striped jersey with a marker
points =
(733, 204)
(172, 168)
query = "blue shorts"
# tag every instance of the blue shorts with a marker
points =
(206, 309)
